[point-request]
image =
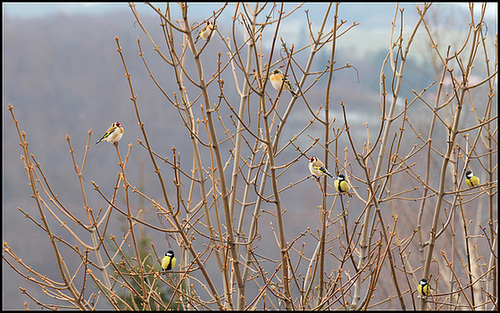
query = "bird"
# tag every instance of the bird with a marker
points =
(317, 168)
(424, 288)
(277, 78)
(113, 134)
(341, 184)
(470, 179)
(206, 31)
(168, 261)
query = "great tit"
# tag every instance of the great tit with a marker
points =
(424, 288)
(341, 184)
(470, 179)
(168, 261)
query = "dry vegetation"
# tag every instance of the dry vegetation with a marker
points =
(410, 213)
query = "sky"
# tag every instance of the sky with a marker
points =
(34, 9)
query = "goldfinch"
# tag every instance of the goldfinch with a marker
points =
(424, 288)
(113, 134)
(168, 261)
(317, 168)
(206, 31)
(341, 184)
(277, 78)
(470, 179)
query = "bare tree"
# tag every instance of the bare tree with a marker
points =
(402, 204)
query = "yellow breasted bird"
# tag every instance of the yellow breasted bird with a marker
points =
(168, 261)
(206, 31)
(424, 288)
(113, 134)
(277, 78)
(470, 179)
(341, 184)
(317, 168)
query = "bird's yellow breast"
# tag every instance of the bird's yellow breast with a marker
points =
(424, 290)
(168, 263)
(473, 181)
(342, 186)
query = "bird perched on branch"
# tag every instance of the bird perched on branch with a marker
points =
(317, 168)
(113, 134)
(206, 31)
(424, 288)
(277, 78)
(341, 184)
(168, 261)
(471, 180)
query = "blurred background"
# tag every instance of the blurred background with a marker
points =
(63, 75)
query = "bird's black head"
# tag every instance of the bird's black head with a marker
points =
(341, 177)
(169, 253)
(468, 174)
(423, 281)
